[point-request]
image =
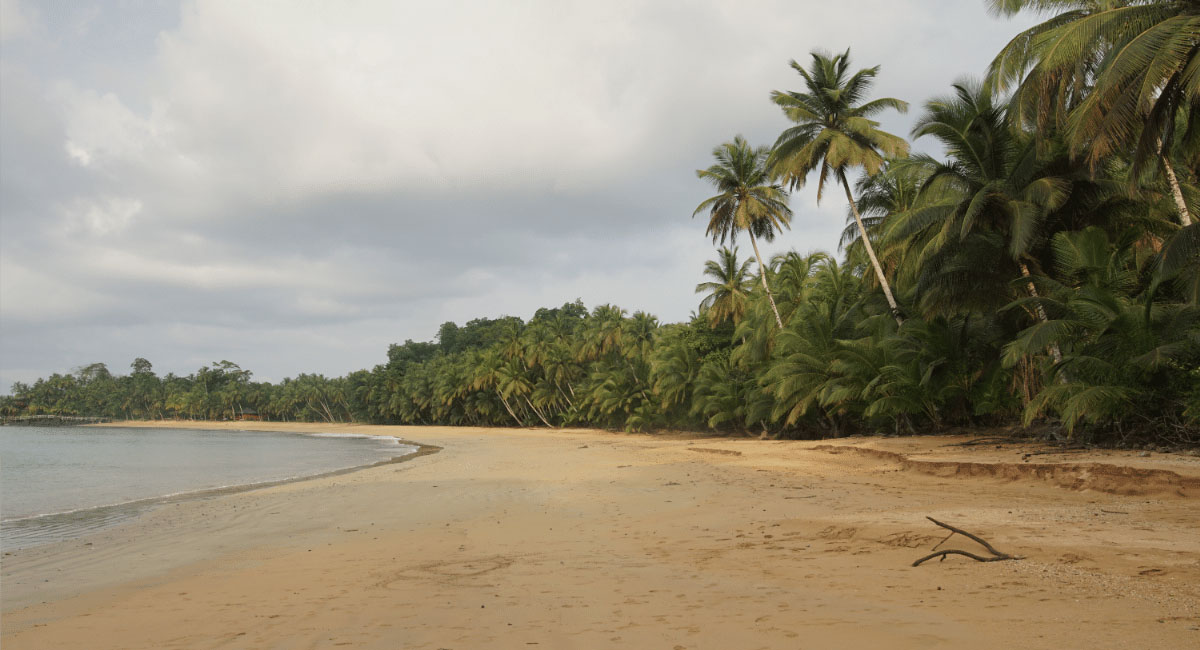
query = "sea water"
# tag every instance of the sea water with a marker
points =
(57, 483)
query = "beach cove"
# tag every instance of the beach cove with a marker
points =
(522, 538)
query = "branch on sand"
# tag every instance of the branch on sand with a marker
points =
(995, 556)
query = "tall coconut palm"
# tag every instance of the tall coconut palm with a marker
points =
(1138, 62)
(834, 134)
(727, 290)
(748, 201)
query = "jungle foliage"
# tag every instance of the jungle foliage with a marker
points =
(1044, 270)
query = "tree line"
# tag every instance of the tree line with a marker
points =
(218, 391)
(1045, 269)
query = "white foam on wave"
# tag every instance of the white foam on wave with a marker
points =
(393, 440)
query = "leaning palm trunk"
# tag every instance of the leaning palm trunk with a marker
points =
(636, 381)
(327, 414)
(560, 392)
(508, 408)
(539, 413)
(1185, 217)
(1055, 351)
(762, 274)
(887, 289)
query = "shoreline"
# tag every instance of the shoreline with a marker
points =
(579, 538)
(116, 514)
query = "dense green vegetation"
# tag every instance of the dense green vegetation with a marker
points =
(1046, 270)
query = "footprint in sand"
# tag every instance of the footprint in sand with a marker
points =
(835, 532)
(907, 539)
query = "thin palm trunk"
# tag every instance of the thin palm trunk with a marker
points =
(508, 408)
(636, 381)
(538, 413)
(887, 289)
(561, 392)
(1055, 351)
(762, 274)
(328, 415)
(1185, 217)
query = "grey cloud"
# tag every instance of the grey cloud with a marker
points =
(293, 191)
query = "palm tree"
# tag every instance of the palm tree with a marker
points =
(894, 190)
(492, 372)
(1117, 344)
(1181, 259)
(800, 376)
(727, 291)
(673, 367)
(994, 180)
(723, 394)
(748, 201)
(601, 335)
(1137, 63)
(994, 193)
(834, 133)
(793, 272)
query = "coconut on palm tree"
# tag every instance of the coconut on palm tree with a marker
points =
(748, 201)
(834, 133)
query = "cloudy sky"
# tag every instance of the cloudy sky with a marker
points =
(294, 185)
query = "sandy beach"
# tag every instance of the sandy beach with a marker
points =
(586, 539)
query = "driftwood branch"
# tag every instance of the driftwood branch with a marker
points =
(995, 556)
(954, 551)
(944, 540)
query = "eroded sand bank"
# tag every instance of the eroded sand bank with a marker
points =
(582, 539)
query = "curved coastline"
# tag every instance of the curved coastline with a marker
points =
(578, 537)
(91, 519)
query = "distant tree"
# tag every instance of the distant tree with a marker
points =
(410, 352)
(144, 397)
(141, 366)
(748, 201)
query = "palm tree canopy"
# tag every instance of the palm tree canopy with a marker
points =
(983, 208)
(993, 179)
(748, 200)
(728, 289)
(833, 130)
(893, 190)
(1141, 59)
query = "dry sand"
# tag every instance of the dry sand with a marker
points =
(582, 539)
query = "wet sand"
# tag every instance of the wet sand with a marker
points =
(584, 539)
